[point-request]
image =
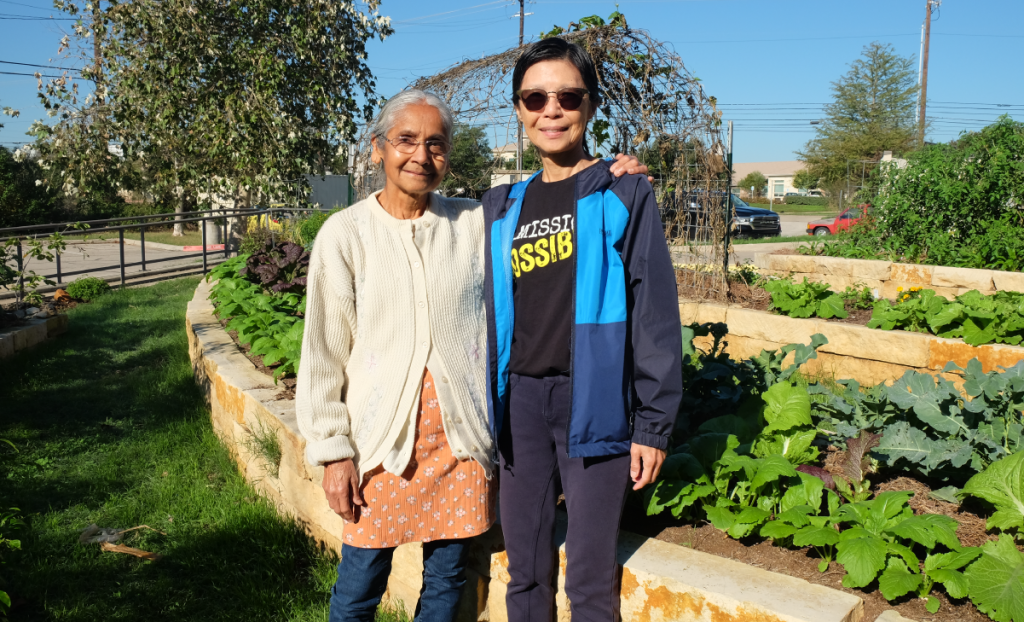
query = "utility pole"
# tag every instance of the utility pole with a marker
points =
(922, 119)
(519, 126)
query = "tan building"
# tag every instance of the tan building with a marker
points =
(780, 176)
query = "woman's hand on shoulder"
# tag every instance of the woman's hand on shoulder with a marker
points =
(629, 165)
(341, 485)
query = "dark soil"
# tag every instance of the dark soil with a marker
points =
(286, 383)
(803, 563)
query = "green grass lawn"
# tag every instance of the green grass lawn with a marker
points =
(111, 429)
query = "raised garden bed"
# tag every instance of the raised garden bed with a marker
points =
(661, 581)
(885, 277)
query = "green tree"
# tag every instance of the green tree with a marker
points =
(872, 111)
(805, 180)
(755, 179)
(470, 163)
(22, 200)
(234, 97)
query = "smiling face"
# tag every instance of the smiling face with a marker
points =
(419, 172)
(553, 129)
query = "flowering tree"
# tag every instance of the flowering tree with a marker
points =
(194, 96)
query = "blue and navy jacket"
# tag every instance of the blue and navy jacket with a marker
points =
(625, 348)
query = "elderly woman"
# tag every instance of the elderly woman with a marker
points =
(392, 386)
(584, 345)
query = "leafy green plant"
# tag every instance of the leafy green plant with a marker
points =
(1002, 485)
(997, 581)
(742, 466)
(271, 323)
(805, 299)
(928, 426)
(861, 298)
(9, 521)
(976, 318)
(310, 226)
(87, 288)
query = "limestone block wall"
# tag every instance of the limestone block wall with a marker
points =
(33, 333)
(885, 277)
(660, 581)
(868, 355)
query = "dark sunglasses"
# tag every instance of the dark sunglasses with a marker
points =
(568, 98)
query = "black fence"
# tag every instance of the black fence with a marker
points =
(221, 219)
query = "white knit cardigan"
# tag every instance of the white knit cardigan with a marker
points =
(384, 296)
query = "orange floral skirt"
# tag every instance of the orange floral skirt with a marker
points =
(437, 498)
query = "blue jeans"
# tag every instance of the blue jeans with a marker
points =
(363, 577)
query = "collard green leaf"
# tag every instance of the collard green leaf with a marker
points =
(997, 581)
(901, 441)
(1002, 485)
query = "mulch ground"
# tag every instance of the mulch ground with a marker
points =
(803, 563)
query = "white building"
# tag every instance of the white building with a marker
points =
(780, 176)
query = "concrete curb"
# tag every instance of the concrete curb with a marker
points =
(660, 581)
(34, 333)
(869, 355)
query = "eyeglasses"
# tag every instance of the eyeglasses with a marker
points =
(568, 98)
(404, 144)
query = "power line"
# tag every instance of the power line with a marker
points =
(10, 62)
(34, 18)
(42, 75)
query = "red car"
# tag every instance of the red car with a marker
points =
(847, 218)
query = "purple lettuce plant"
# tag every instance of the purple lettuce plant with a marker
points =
(279, 268)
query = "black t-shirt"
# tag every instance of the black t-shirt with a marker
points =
(542, 268)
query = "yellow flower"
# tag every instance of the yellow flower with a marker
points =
(899, 289)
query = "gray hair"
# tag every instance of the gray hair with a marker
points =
(394, 107)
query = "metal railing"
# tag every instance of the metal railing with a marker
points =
(221, 217)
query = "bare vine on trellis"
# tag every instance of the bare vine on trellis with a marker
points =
(652, 107)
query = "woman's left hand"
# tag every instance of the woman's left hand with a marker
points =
(645, 464)
(629, 165)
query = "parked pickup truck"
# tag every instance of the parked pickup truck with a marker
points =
(844, 220)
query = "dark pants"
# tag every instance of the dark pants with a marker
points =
(363, 577)
(533, 455)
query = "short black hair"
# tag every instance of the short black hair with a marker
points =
(556, 48)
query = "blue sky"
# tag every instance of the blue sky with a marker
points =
(769, 62)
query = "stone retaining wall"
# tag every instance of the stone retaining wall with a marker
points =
(885, 277)
(34, 332)
(660, 581)
(868, 355)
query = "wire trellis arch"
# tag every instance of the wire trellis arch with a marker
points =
(653, 107)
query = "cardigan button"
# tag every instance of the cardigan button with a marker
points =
(459, 420)
(444, 379)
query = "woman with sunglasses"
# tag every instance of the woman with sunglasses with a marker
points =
(391, 388)
(584, 349)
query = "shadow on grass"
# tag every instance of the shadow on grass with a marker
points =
(111, 429)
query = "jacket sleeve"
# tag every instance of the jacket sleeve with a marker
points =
(656, 336)
(320, 409)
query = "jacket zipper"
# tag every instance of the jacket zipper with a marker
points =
(572, 310)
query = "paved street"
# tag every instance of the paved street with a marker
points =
(796, 224)
(102, 261)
